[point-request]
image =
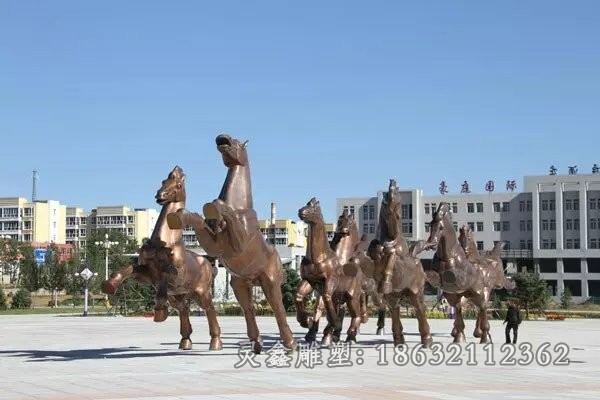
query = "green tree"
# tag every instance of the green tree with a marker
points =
(531, 292)
(30, 274)
(288, 288)
(9, 258)
(566, 298)
(54, 272)
(21, 299)
(3, 304)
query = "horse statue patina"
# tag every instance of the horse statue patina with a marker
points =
(393, 264)
(230, 232)
(322, 271)
(461, 273)
(179, 274)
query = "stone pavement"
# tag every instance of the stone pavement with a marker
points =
(115, 358)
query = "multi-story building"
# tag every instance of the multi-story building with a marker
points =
(552, 227)
(136, 224)
(76, 227)
(38, 221)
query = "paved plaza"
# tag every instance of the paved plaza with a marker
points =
(117, 358)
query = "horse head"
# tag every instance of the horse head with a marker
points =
(311, 212)
(467, 241)
(346, 225)
(440, 222)
(172, 189)
(233, 151)
(390, 220)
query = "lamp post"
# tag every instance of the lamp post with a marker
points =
(107, 245)
(86, 275)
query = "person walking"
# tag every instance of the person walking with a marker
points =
(512, 321)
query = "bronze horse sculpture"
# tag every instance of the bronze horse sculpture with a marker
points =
(345, 243)
(461, 273)
(390, 262)
(321, 270)
(179, 274)
(230, 232)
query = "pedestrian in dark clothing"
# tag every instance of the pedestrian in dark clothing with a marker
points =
(512, 321)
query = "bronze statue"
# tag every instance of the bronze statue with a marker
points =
(391, 264)
(459, 271)
(321, 270)
(231, 233)
(179, 274)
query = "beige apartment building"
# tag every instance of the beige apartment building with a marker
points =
(39, 221)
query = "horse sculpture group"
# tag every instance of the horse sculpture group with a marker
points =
(343, 274)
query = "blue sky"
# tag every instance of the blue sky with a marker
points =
(336, 97)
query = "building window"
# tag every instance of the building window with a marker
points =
(575, 243)
(372, 228)
(569, 243)
(471, 225)
(406, 211)
(28, 212)
(455, 208)
(496, 207)
(505, 206)
(529, 225)
(26, 224)
(544, 205)
(352, 210)
(479, 207)
(522, 206)
(568, 204)
(522, 245)
(371, 211)
(529, 244)
(479, 245)
(433, 209)
(593, 223)
(569, 225)
(345, 208)
(592, 204)
(522, 225)
(496, 226)
(426, 208)
(470, 208)
(407, 228)
(552, 225)
(365, 212)
(545, 225)
(575, 204)
(576, 224)
(593, 244)
(479, 226)
(27, 237)
(552, 205)
(455, 226)
(545, 244)
(365, 228)
(506, 225)
(427, 228)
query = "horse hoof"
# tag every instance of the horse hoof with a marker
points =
(454, 332)
(379, 331)
(485, 339)
(310, 337)
(351, 339)
(160, 314)
(185, 344)
(459, 338)
(364, 319)
(326, 342)
(216, 344)
(399, 342)
(291, 346)
(426, 342)
(477, 333)
(257, 347)
(173, 221)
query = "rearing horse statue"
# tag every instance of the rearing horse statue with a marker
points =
(390, 262)
(322, 271)
(179, 274)
(231, 233)
(463, 274)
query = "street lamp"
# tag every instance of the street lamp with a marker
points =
(107, 245)
(86, 275)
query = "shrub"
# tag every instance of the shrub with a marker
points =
(3, 304)
(21, 299)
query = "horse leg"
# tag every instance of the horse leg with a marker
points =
(458, 332)
(311, 336)
(111, 285)
(397, 328)
(381, 319)
(418, 302)
(482, 318)
(211, 316)
(183, 309)
(242, 290)
(364, 314)
(332, 315)
(354, 309)
(161, 311)
(386, 283)
(327, 336)
(271, 284)
(477, 332)
(303, 289)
